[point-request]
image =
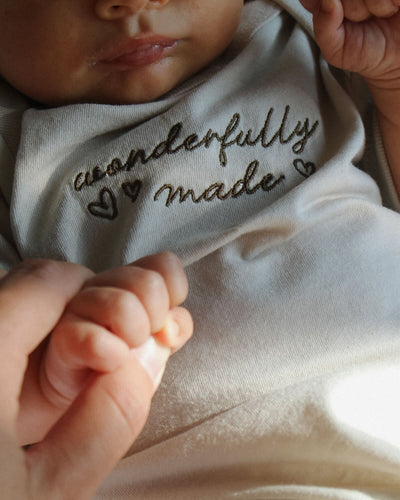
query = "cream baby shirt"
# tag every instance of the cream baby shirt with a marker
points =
(249, 172)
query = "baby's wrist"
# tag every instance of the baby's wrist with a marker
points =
(386, 100)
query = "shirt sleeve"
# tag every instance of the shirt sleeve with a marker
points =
(374, 161)
(389, 191)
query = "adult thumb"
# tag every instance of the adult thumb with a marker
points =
(98, 429)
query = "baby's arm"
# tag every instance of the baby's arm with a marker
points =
(363, 36)
(130, 307)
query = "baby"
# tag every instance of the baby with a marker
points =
(215, 129)
(111, 52)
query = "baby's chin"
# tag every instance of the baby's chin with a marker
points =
(96, 98)
(119, 87)
(104, 96)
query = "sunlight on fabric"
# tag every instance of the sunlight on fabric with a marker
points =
(370, 402)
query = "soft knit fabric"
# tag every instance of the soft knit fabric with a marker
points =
(255, 173)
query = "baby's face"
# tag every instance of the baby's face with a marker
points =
(110, 51)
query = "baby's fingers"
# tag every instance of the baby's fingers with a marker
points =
(117, 310)
(354, 10)
(177, 329)
(77, 347)
(357, 10)
(329, 29)
(148, 285)
(309, 4)
(171, 269)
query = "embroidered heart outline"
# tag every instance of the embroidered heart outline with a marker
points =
(132, 189)
(306, 169)
(106, 206)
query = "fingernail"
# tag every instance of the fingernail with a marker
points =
(153, 356)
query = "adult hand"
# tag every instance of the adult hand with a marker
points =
(101, 424)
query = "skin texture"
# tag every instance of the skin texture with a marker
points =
(50, 51)
(360, 36)
(363, 36)
(84, 444)
(78, 441)
(114, 313)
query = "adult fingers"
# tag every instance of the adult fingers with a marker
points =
(93, 435)
(33, 296)
(13, 474)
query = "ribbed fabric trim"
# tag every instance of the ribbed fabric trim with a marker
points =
(385, 167)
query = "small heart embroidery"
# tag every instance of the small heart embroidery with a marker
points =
(106, 206)
(304, 168)
(132, 189)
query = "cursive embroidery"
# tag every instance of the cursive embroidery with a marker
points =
(287, 132)
(219, 191)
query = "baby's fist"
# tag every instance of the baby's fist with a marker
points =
(116, 312)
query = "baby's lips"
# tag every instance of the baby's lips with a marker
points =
(153, 356)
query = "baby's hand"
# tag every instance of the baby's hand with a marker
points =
(129, 308)
(116, 311)
(361, 36)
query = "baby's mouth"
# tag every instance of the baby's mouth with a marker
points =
(137, 52)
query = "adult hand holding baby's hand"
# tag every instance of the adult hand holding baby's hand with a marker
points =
(116, 311)
(100, 424)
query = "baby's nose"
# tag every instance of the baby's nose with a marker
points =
(116, 9)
